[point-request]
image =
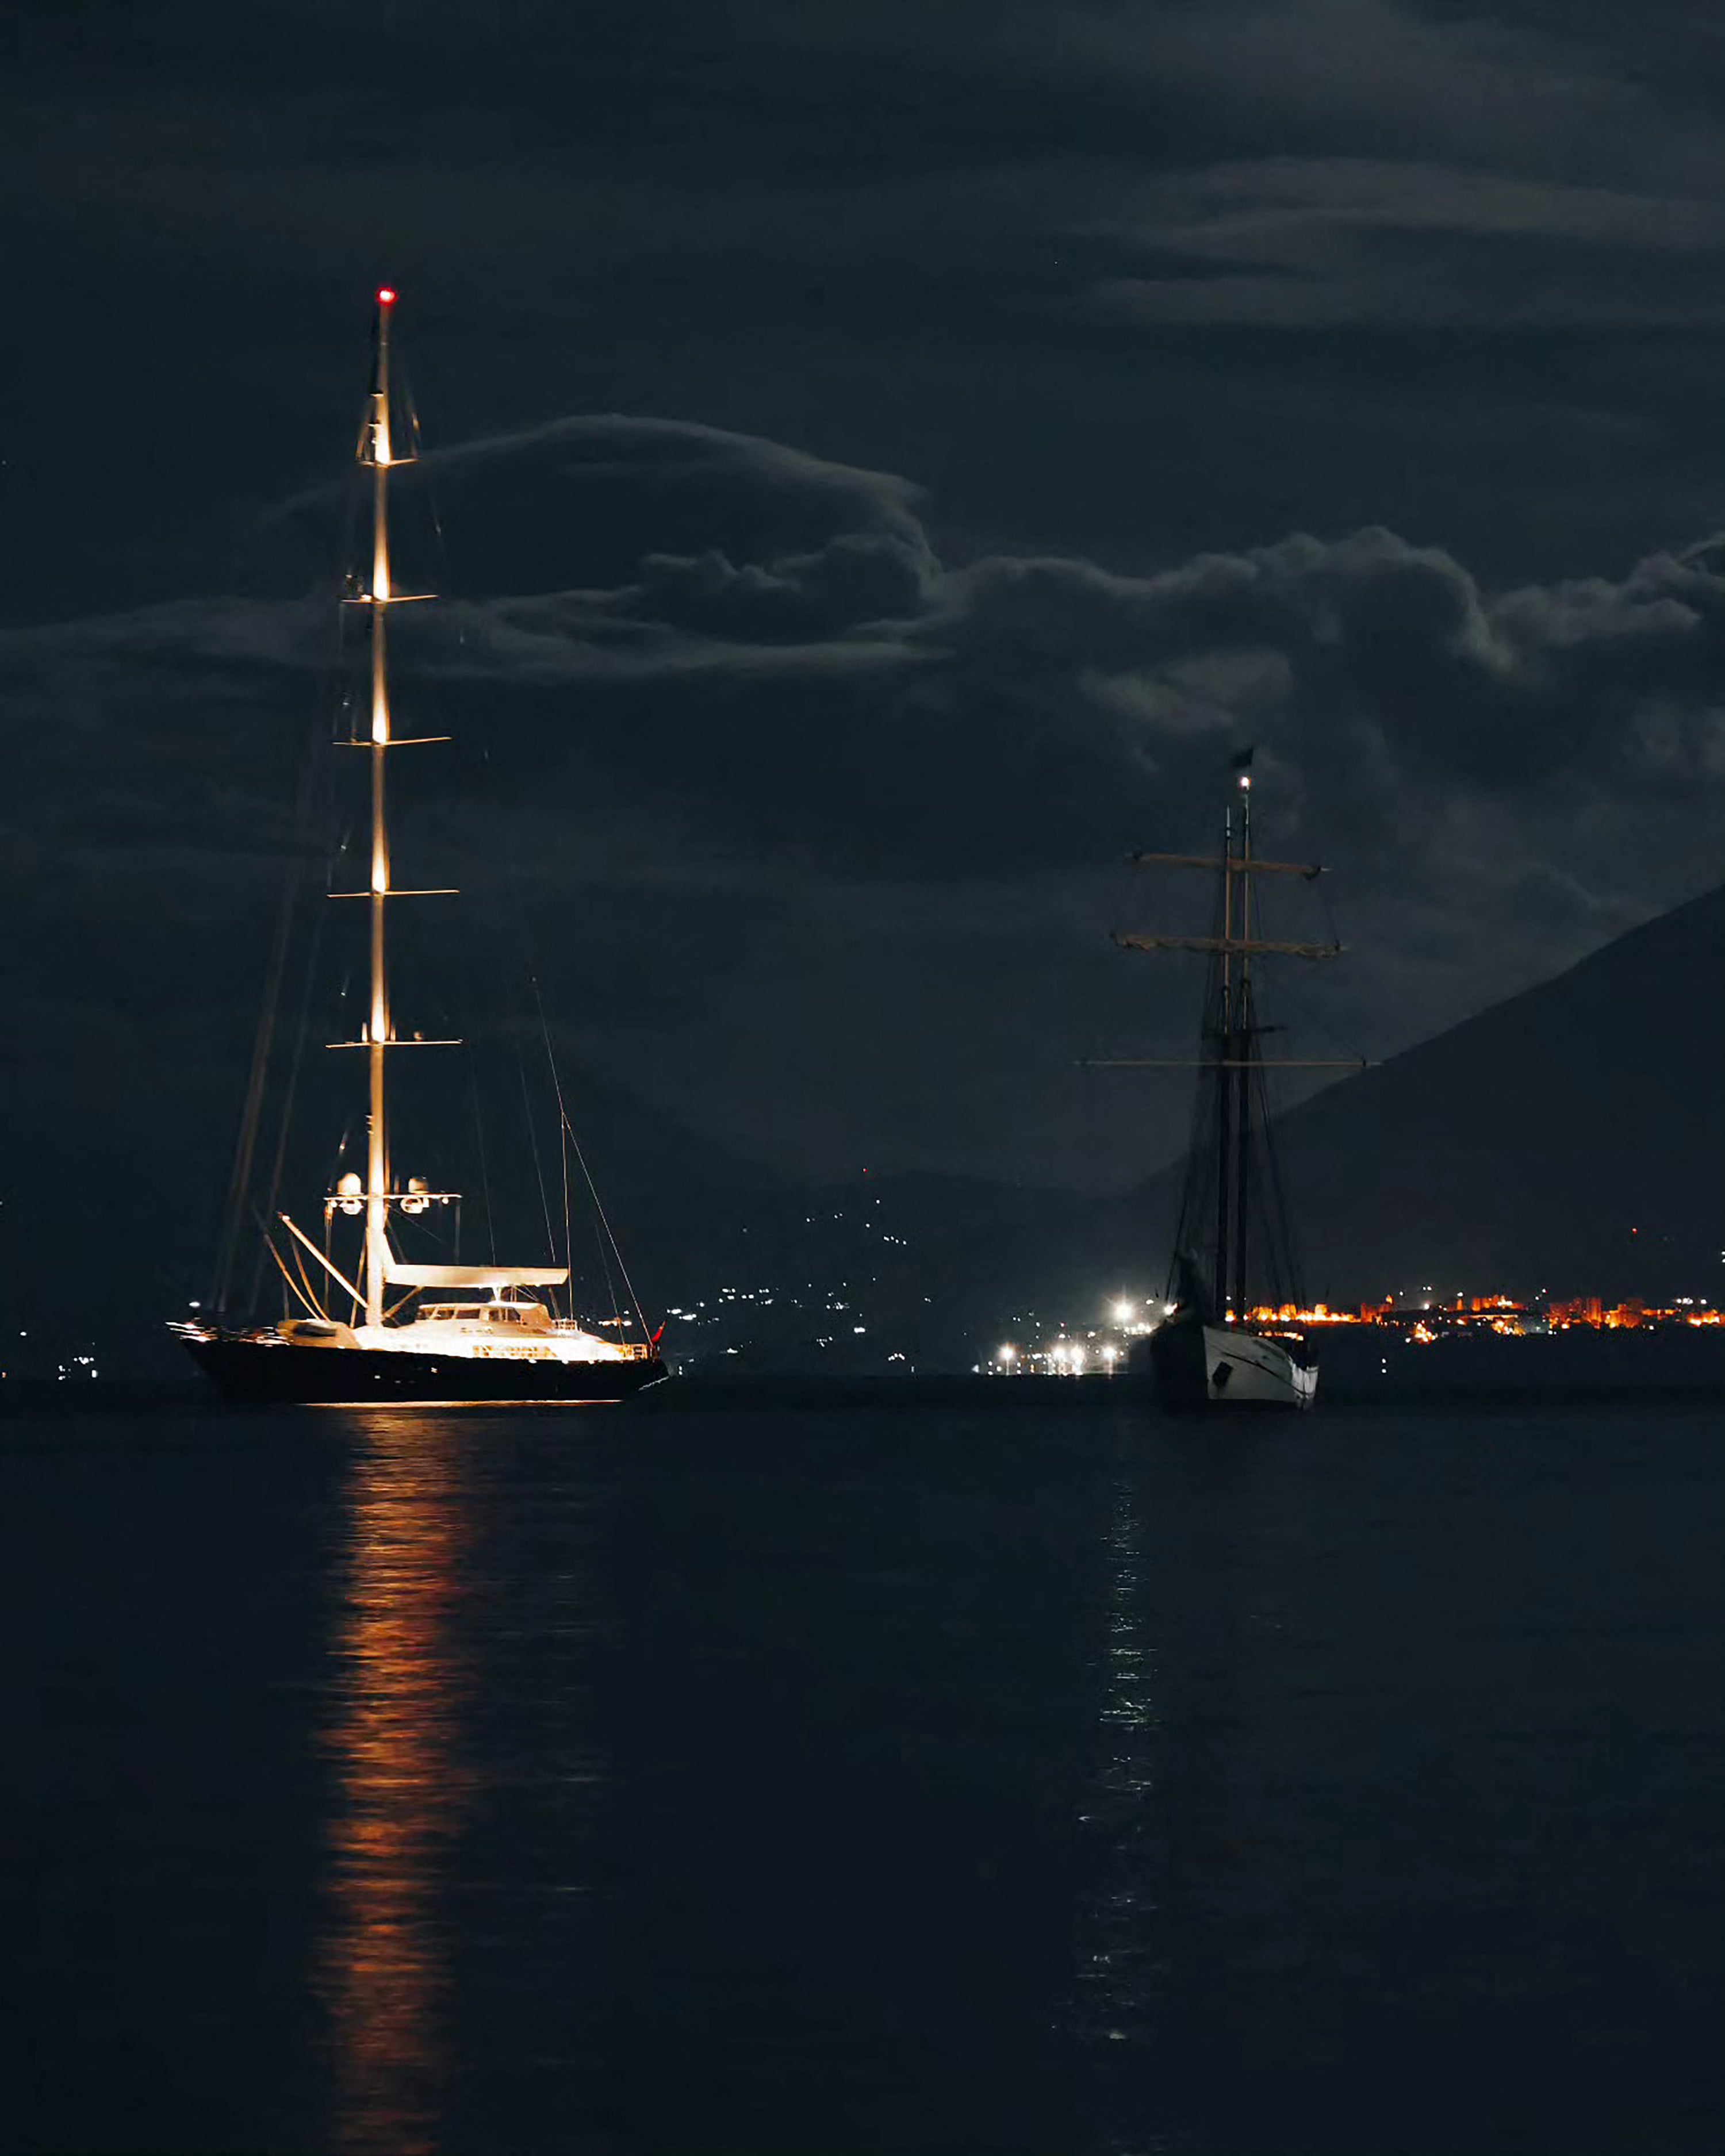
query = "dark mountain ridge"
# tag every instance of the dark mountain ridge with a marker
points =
(1565, 1140)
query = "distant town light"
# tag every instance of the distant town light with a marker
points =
(1124, 1311)
(1006, 1355)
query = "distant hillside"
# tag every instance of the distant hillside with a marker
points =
(1569, 1138)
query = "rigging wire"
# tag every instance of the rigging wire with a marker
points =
(604, 1256)
(311, 1293)
(479, 1126)
(295, 1066)
(1284, 1268)
(605, 1224)
(1194, 1231)
(520, 1064)
(267, 1242)
(602, 1227)
(563, 1156)
(423, 463)
(314, 787)
(288, 1282)
(1295, 1002)
(263, 1037)
(245, 1144)
(605, 1241)
(1305, 1010)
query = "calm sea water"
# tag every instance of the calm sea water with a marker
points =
(855, 1779)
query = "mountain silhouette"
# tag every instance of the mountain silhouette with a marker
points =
(1565, 1139)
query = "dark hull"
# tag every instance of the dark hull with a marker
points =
(1173, 1358)
(254, 1373)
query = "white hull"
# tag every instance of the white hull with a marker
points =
(1216, 1366)
(1242, 1370)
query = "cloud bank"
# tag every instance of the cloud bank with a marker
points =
(802, 774)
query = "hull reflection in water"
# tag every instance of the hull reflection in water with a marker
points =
(394, 1738)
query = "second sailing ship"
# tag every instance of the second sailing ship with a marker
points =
(1221, 1343)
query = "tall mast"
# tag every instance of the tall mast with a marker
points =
(1246, 1041)
(1224, 1061)
(376, 452)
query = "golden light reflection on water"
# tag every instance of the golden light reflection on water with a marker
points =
(394, 1735)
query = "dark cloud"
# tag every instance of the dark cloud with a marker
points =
(813, 597)
(1047, 708)
(849, 714)
(1121, 282)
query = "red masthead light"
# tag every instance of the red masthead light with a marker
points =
(386, 296)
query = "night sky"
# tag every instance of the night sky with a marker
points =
(888, 458)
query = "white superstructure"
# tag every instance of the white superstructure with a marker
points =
(513, 1330)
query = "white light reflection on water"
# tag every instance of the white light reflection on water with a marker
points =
(393, 1736)
(1121, 1974)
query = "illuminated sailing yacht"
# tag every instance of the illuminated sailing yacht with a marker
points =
(1233, 1262)
(489, 1337)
